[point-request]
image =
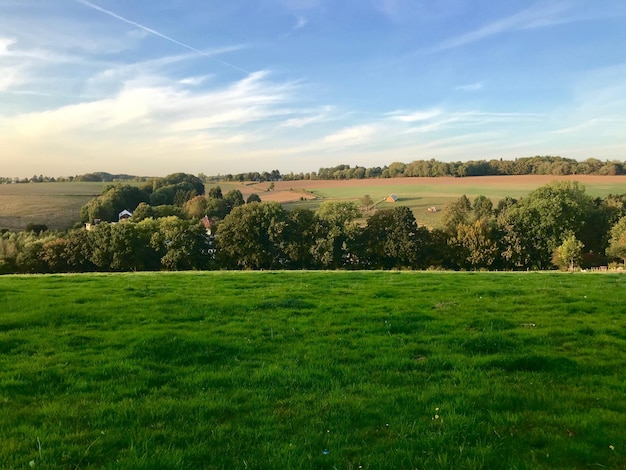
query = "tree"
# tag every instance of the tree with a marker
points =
(233, 199)
(537, 224)
(367, 202)
(100, 242)
(335, 234)
(196, 208)
(77, 252)
(53, 254)
(617, 242)
(182, 244)
(253, 198)
(216, 193)
(216, 207)
(482, 207)
(252, 236)
(568, 253)
(477, 246)
(390, 238)
(300, 237)
(455, 213)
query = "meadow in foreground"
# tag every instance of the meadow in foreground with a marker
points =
(313, 370)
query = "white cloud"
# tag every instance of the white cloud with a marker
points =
(354, 135)
(476, 86)
(193, 81)
(415, 116)
(5, 43)
(9, 76)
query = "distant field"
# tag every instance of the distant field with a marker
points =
(302, 370)
(56, 205)
(419, 193)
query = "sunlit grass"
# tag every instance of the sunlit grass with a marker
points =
(313, 370)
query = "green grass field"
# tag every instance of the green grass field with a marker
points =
(303, 370)
(56, 205)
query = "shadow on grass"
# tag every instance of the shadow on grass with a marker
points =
(534, 363)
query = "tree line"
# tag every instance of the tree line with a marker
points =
(538, 165)
(176, 226)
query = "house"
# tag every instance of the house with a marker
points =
(209, 224)
(90, 225)
(125, 214)
(391, 198)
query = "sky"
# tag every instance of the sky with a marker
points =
(217, 87)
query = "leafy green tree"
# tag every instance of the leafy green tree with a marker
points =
(100, 242)
(53, 255)
(482, 207)
(390, 238)
(336, 234)
(617, 242)
(114, 199)
(338, 212)
(300, 237)
(179, 181)
(252, 236)
(126, 247)
(217, 208)
(182, 243)
(568, 253)
(536, 225)
(78, 250)
(233, 199)
(196, 208)
(477, 248)
(142, 211)
(98, 208)
(30, 258)
(456, 213)
(367, 202)
(216, 193)
(253, 198)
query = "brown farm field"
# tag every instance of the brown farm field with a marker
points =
(419, 194)
(58, 204)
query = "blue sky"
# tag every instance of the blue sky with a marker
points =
(154, 87)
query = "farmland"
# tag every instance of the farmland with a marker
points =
(58, 204)
(419, 194)
(313, 370)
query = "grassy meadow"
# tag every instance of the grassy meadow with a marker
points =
(343, 370)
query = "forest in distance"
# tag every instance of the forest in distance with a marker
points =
(537, 165)
(174, 224)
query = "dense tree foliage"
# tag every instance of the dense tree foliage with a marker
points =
(555, 225)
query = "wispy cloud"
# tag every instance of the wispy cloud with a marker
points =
(353, 135)
(476, 86)
(9, 76)
(159, 34)
(5, 43)
(537, 16)
(414, 116)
